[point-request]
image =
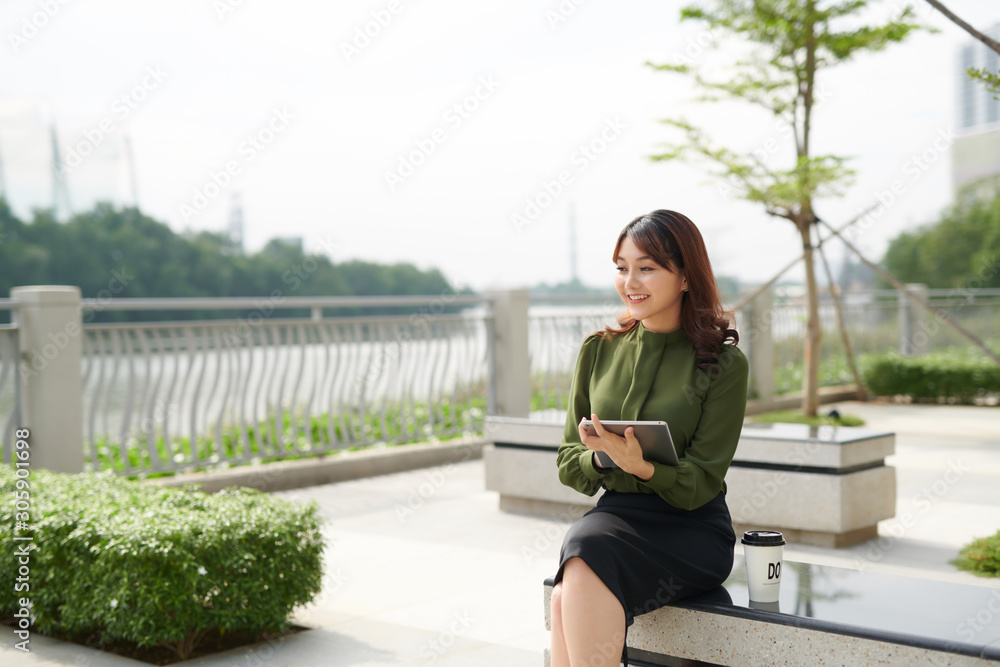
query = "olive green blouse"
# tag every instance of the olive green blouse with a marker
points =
(646, 375)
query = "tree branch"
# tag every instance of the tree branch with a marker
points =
(819, 244)
(940, 315)
(988, 41)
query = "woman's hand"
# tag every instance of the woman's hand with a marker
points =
(626, 451)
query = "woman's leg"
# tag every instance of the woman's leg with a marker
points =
(592, 618)
(558, 656)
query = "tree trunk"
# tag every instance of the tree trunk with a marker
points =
(810, 385)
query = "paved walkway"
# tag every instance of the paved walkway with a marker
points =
(424, 569)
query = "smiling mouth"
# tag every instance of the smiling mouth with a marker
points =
(636, 298)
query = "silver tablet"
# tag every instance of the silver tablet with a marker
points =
(654, 438)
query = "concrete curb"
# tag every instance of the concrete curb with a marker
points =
(339, 467)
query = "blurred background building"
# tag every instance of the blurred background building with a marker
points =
(976, 153)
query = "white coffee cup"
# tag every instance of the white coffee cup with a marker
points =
(762, 553)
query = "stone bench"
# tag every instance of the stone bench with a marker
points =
(825, 616)
(825, 486)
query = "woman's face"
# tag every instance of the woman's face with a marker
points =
(652, 292)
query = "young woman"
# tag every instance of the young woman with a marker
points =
(659, 533)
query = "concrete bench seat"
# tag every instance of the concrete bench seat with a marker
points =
(825, 486)
(825, 616)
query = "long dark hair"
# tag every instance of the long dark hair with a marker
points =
(675, 243)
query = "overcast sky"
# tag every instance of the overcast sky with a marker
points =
(316, 126)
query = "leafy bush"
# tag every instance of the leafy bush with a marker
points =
(152, 565)
(947, 374)
(981, 556)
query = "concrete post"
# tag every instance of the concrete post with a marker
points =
(913, 338)
(50, 331)
(510, 363)
(760, 313)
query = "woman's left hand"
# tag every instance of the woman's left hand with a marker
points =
(625, 452)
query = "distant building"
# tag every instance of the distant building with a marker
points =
(976, 151)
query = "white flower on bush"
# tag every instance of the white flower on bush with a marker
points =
(202, 570)
(114, 603)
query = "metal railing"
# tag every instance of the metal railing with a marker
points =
(161, 397)
(172, 396)
(10, 404)
(877, 321)
(555, 334)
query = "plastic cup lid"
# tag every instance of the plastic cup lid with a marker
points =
(763, 538)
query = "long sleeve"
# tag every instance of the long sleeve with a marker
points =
(575, 461)
(703, 466)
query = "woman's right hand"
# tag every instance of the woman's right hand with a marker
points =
(625, 452)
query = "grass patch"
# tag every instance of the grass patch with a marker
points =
(833, 371)
(796, 417)
(981, 556)
(286, 438)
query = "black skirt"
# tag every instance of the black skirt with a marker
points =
(648, 552)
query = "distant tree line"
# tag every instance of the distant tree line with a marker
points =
(111, 252)
(961, 250)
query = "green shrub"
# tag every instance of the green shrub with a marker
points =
(981, 556)
(953, 375)
(152, 565)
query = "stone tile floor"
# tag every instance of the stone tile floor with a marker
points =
(424, 569)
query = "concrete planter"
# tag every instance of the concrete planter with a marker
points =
(824, 486)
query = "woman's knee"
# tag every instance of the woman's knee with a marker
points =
(577, 567)
(555, 603)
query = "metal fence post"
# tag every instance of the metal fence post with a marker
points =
(761, 343)
(913, 339)
(510, 363)
(50, 331)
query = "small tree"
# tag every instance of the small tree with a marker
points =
(793, 41)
